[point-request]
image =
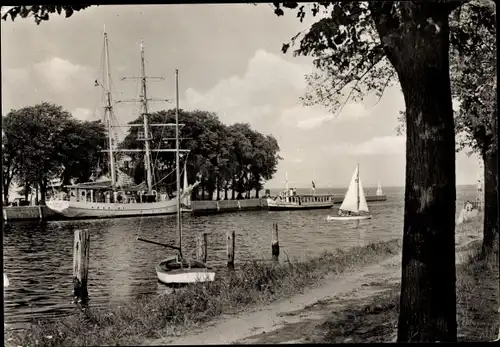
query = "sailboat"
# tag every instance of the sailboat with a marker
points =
(354, 201)
(178, 270)
(379, 189)
(112, 198)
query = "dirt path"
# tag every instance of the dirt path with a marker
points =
(294, 319)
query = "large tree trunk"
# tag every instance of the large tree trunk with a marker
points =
(490, 227)
(418, 50)
(257, 191)
(225, 193)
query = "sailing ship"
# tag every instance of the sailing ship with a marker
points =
(354, 203)
(178, 270)
(110, 198)
(289, 200)
(379, 189)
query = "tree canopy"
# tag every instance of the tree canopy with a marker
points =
(41, 13)
(44, 141)
(228, 157)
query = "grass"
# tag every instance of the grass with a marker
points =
(477, 308)
(252, 284)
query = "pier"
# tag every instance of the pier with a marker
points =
(199, 207)
(19, 213)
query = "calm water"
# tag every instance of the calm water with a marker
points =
(38, 257)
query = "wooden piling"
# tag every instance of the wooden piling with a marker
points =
(201, 247)
(81, 252)
(231, 235)
(275, 245)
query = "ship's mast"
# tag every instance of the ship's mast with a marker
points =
(177, 171)
(144, 99)
(108, 108)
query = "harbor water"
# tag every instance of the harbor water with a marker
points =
(38, 255)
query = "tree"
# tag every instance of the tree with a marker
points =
(473, 80)
(474, 85)
(41, 12)
(45, 142)
(235, 157)
(10, 162)
(360, 45)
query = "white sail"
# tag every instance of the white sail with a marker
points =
(363, 206)
(350, 202)
(187, 200)
(379, 189)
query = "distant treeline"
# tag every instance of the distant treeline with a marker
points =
(45, 142)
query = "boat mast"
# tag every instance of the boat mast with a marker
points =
(147, 154)
(108, 109)
(177, 172)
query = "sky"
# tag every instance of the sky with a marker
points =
(230, 62)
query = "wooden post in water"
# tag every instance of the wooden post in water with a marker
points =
(231, 235)
(201, 247)
(275, 245)
(81, 252)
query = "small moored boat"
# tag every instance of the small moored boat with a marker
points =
(175, 271)
(354, 206)
(178, 270)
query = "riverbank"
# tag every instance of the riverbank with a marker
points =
(253, 285)
(360, 307)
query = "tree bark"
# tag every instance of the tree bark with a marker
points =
(225, 193)
(26, 190)
(6, 186)
(233, 190)
(490, 226)
(43, 191)
(418, 49)
(257, 191)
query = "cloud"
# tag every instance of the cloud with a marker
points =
(83, 114)
(310, 117)
(377, 145)
(60, 74)
(55, 80)
(268, 84)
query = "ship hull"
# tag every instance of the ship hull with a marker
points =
(291, 206)
(81, 210)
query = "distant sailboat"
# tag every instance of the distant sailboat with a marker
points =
(354, 201)
(379, 189)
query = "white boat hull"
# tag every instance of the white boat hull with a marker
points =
(348, 217)
(274, 205)
(196, 273)
(81, 209)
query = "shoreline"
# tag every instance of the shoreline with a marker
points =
(199, 207)
(251, 287)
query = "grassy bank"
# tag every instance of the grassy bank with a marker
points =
(376, 321)
(252, 284)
